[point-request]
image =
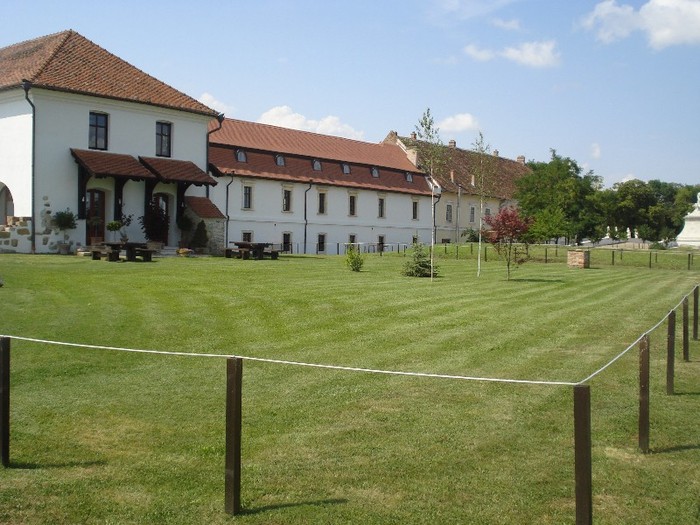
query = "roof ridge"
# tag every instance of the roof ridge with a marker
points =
(68, 34)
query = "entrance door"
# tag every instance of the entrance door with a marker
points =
(162, 200)
(95, 215)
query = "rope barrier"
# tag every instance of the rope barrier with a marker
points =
(359, 369)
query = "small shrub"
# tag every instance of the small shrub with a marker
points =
(419, 263)
(354, 258)
(200, 238)
(65, 220)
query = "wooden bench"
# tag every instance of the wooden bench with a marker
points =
(273, 254)
(99, 252)
(145, 254)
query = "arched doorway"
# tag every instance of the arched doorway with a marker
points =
(162, 200)
(7, 205)
(95, 217)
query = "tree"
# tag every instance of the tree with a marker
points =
(420, 264)
(484, 172)
(507, 231)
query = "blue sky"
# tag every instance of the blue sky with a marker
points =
(613, 84)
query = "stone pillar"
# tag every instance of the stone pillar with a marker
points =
(578, 259)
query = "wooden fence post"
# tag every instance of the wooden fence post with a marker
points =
(696, 294)
(5, 401)
(582, 455)
(686, 343)
(234, 380)
(644, 394)
(671, 353)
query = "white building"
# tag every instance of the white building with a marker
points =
(312, 193)
(83, 130)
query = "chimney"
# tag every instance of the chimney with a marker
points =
(413, 135)
(521, 159)
(473, 180)
(495, 153)
(452, 143)
(452, 175)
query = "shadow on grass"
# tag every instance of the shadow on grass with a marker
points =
(679, 448)
(67, 464)
(268, 508)
(538, 280)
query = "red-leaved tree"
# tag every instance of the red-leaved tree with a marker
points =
(506, 233)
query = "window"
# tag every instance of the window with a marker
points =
(321, 246)
(352, 238)
(279, 160)
(321, 202)
(247, 197)
(415, 210)
(414, 239)
(287, 242)
(380, 243)
(487, 212)
(164, 131)
(247, 236)
(352, 205)
(98, 131)
(316, 165)
(448, 213)
(286, 200)
(374, 171)
(241, 156)
(472, 214)
(409, 177)
(346, 168)
(380, 208)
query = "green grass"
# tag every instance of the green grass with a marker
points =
(112, 437)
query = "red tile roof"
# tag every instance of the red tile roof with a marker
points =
(170, 170)
(263, 137)
(460, 165)
(102, 164)
(69, 62)
(261, 164)
(204, 208)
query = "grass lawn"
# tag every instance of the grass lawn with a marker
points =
(112, 437)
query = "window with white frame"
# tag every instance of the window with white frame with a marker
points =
(247, 236)
(322, 202)
(414, 205)
(321, 244)
(241, 155)
(247, 197)
(472, 213)
(448, 213)
(286, 199)
(381, 205)
(352, 205)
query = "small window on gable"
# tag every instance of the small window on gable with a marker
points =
(97, 138)
(346, 168)
(375, 171)
(164, 134)
(409, 176)
(279, 160)
(241, 156)
(316, 165)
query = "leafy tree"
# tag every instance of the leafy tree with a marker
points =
(507, 232)
(484, 172)
(354, 259)
(560, 185)
(634, 198)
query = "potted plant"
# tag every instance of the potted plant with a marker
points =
(154, 223)
(64, 220)
(120, 226)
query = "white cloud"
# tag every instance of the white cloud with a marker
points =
(595, 150)
(285, 117)
(664, 22)
(481, 55)
(209, 100)
(465, 9)
(458, 123)
(508, 25)
(533, 54)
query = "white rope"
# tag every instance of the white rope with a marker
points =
(298, 363)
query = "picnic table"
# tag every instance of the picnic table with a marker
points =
(131, 249)
(246, 249)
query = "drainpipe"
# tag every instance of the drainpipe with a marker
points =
(220, 120)
(26, 85)
(228, 217)
(306, 220)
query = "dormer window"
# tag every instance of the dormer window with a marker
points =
(374, 171)
(316, 165)
(409, 176)
(279, 160)
(241, 155)
(346, 168)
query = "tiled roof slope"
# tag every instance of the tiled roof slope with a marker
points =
(263, 137)
(203, 208)
(261, 164)
(461, 164)
(69, 62)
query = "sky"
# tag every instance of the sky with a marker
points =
(612, 84)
